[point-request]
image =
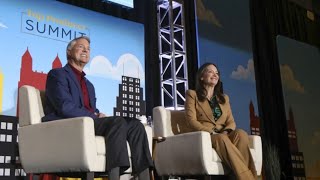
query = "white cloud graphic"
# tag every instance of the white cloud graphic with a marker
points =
(206, 15)
(244, 73)
(127, 65)
(288, 79)
(2, 25)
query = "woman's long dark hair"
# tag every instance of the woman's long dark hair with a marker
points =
(201, 90)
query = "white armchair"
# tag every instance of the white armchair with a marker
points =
(185, 153)
(62, 147)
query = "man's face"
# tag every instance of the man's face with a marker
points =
(80, 52)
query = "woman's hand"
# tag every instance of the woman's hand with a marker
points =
(224, 132)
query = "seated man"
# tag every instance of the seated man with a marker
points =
(69, 94)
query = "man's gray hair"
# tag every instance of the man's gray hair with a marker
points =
(73, 42)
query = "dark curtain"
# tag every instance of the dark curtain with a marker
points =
(270, 18)
(191, 41)
(153, 88)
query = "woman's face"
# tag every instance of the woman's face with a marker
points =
(210, 76)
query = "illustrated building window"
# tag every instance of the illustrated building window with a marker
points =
(137, 80)
(1, 159)
(9, 126)
(17, 172)
(137, 103)
(7, 159)
(7, 172)
(124, 88)
(130, 115)
(124, 78)
(9, 138)
(137, 90)
(124, 108)
(2, 138)
(124, 95)
(130, 96)
(3, 125)
(294, 165)
(137, 97)
(124, 101)
(130, 102)
(130, 80)
(124, 114)
(117, 113)
(130, 89)
(137, 110)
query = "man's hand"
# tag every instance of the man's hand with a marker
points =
(100, 115)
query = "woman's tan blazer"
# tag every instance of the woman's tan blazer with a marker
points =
(200, 117)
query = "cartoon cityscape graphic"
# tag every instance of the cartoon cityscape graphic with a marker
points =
(129, 103)
(297, 159)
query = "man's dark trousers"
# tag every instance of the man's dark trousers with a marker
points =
(117, 131)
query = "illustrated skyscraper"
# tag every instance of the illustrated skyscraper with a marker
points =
(297, 159)
(254, 121)
(130, 101)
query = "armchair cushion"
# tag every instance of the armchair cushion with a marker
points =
(66, 146)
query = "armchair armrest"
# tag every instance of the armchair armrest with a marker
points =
(58, 145)
(256, 146)
(172, 152)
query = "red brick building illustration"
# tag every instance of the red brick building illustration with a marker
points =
(34, 78)
(297, 159)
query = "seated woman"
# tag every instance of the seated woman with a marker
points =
(208, 109)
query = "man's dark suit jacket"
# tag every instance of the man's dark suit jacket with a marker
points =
(64, 97)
